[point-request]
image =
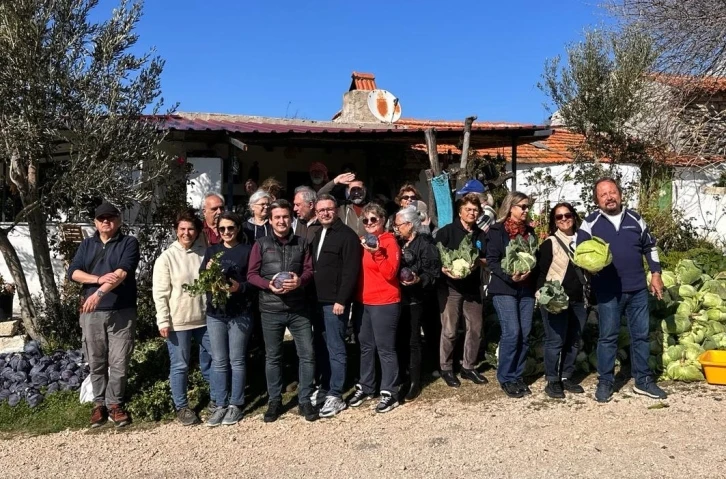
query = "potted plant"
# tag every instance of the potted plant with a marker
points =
(7, 293)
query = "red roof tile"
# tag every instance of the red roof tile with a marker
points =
(363, 81)
(705, 84)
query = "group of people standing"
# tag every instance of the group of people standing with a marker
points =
(331, 258)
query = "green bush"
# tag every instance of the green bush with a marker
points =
(708, 258)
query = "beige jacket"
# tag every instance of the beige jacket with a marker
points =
(175, 308)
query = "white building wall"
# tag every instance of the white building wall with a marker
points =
(702, 203)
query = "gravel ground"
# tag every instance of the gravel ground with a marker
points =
(472, 432)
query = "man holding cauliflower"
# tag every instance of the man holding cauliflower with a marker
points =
(620, 287)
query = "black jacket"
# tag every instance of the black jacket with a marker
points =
(234, 266)
(451, 236)
(276, 257)
(338, 265)
(501, 282)
(571, 282)
(94, 257)
(422, 257)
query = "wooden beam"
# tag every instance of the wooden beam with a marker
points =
(433, 151)
(433, 212)
(237, 144)
(465, 144)
(514, 162)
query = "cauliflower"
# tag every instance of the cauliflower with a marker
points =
(460, 268)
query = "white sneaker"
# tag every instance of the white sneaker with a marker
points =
(333, 405)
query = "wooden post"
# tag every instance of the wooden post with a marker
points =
(434, 170)
(514, 163)
(465, 145)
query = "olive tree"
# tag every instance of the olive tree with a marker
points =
(78, 122)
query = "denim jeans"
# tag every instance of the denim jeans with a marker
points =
(273, 331)
(330, 353)
(179, 344)
(610, 309)
(377, 332)
(562, 340)
(515, 317)
(228, 339)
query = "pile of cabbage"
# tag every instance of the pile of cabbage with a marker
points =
(690, 319)
(520, 255)
(460, 261)
(30, 375)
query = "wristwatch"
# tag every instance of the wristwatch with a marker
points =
(100, 293)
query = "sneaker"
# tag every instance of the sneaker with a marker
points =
(187, 417)
(358, 397)
(118, 416)
(555, 390)
(333, 405)
(604, 391)
(413, 392)
(217, 417)
(274, 411)
(650, 389)
(523, 387)
(572, 387)
(211, 407)
(386, 403)
(473, 375)
(512, 389)
(450, 379)
(233, 416)
(99, 415)
(318, 397)
(308, 411)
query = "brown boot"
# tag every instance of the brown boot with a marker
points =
(99, 415)
(118, 416)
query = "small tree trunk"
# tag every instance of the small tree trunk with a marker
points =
(41, 253)
(27, 308)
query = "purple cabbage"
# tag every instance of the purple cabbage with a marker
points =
(371, 240)
(277, 282)
(406, 275)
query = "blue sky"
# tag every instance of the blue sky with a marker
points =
(443, 59)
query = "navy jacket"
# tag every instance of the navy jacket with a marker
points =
(120, 252)
(628, 244)
(501, 282)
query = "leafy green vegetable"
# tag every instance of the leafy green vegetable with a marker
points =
(715, 287)
(687, 272)
(685, 370)
(676, 324)
(519, 256)
(461, 260)
(552, 297)
(212, 280)
(593, 255)
(711, 300)
(687, 291)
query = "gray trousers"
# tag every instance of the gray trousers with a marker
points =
(108, 341)
(452, 305)
(377, 333)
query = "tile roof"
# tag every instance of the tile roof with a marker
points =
(363, 81)
(705, 84)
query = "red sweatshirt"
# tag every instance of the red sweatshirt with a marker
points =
(378, 278)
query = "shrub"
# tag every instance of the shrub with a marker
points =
(63, 331)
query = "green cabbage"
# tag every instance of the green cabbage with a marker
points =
(676, 324)
(711, 300)
(714, 287)
(687, 291)
(593, 255)
(685, 370)
(692, 351)
(519, 256)
(655, 363)
(672, 353)
(685, 308)
(552, 297)
(713, 327)
(716, 314)
(687, 272)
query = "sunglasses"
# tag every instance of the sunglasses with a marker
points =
(372, 220)
(565, 216)
(101, 219)
(409, 197)
(224, 229)
(523, 207)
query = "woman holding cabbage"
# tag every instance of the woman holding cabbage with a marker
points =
(511, 246)
(460, 244)
(562, 302)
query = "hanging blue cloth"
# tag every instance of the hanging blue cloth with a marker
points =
(442, 195)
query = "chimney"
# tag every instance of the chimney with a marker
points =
(355, 100)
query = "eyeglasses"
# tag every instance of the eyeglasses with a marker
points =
(398, 225)
(564, 216)
(325, 210)
(225, 229)
(523, 207)
(263, 205)
(101, 219)
(372, 220)
(408, 197)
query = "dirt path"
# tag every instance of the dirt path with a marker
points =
(475, 432)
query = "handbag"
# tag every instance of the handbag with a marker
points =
(584, 278)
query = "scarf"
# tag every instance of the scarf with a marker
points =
(515, 228)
